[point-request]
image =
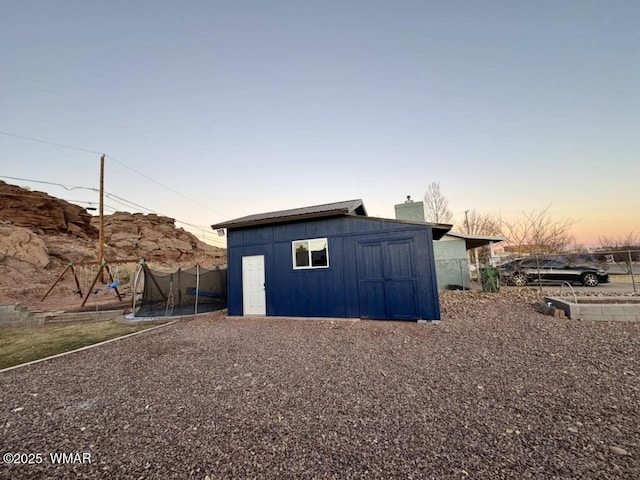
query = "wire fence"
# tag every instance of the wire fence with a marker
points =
(453, 274)
(612, 272)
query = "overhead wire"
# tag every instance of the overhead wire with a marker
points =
(122, 201)
(86, 150)
(25, 195)
(166, 187)
(66, 187)
(128, 204)
(33, 139)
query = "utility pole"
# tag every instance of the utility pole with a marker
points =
(101, 233)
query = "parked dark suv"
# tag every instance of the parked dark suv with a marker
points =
(524, 270)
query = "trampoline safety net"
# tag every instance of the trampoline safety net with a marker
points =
(184, 292)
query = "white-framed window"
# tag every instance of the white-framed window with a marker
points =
(313, 253)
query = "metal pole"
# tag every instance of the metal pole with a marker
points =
(197, 286)
(135, 289)
(475, 254)
(633, 278)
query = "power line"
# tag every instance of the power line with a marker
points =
(32, 139)
(9, 194)
(128, 204)
(80, 149)
(66, 187)
(122, 201)
(166, 187)
(125, 202)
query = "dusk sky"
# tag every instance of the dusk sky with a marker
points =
(211, 110)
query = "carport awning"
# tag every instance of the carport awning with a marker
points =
(475, 241)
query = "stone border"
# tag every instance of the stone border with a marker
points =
(18, 316)
(597, 311)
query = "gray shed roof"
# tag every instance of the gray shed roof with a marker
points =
(347, 207)
(353, 208)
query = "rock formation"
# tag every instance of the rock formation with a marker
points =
(43, 214)
(41, 234)
(23, 245)
(154, 238)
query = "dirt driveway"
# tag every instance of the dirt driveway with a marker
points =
(495, 390)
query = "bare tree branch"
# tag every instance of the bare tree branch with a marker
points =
(476, 223)
(624, 242)
(538, 232)
(436, 206)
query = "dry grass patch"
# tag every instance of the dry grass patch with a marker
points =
(21, 345)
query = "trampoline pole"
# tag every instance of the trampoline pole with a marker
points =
(135, 289)
(197, 286)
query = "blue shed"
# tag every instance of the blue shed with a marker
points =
(331, 261)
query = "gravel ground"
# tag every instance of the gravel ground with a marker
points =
(496, 390)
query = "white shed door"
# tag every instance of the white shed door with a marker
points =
(253, 291)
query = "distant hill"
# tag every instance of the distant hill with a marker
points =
(41, 234)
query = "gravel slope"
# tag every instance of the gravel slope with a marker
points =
(494, 391)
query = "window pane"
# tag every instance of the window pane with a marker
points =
(301, 254)
(319, 252)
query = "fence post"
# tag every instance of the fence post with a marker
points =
(197, 287)
(539, 273)
(633, 279)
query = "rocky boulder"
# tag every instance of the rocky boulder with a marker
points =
(156, 239)
(40, 235)
(42, 213)
(24, 245)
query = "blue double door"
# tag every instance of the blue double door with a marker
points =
(387, 280)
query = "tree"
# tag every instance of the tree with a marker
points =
(538, 232)
(628, 242)
(436, 207)
(622, 250)
(476, 223)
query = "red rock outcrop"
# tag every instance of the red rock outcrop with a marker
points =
(40, 234)
(42, 213)
(156, 239)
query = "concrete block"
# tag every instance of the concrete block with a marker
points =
(616, 310)
(592, 309)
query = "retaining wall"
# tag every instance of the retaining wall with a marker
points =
(17, 316)
(598, 311)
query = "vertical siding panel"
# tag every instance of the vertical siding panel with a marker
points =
(430, 301)
(334, 292)
(350, 278)
(234, 280)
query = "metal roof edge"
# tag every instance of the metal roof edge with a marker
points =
(439, 229)
(490, 238)
(283, 219)
(353, 207)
